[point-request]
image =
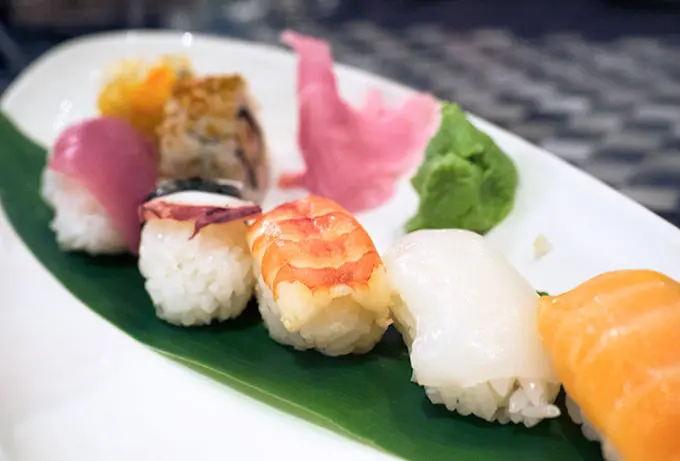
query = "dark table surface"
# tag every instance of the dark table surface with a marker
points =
(595, 82)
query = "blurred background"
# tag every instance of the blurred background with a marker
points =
(594, 81)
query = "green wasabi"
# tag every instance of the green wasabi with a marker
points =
(465, 181)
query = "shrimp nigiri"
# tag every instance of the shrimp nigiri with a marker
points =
(321, 281)
(614, 344)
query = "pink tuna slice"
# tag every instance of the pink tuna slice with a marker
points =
(353, 156)
(113, 162)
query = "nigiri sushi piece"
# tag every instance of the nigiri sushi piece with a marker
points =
(137, 90)
(193, 252)
(365, 150)
(614, 342)
(98, 173)
(468, 318)
(321, 283)
(210, 130)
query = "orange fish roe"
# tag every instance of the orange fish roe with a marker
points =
(137, 90)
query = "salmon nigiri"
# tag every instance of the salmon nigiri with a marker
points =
(615, 344)
(322, 283)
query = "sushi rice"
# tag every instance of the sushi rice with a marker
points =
(193, 281)
(342, 327)
(80, 222)
(608, 451)
(514, 400)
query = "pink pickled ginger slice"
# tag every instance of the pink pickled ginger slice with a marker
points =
(114, 163)
(353, 156)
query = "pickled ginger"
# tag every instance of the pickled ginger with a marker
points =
(353, 156)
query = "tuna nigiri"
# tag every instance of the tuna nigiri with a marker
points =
(614, 343)
(321, 281)
(354, 156)
(98, 173)
(469, 320)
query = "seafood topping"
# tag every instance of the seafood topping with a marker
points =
(614, 342)
(290, 233)
(201, 208)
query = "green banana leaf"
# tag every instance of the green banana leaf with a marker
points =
(368, 398)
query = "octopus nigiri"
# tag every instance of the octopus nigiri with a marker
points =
(193, 252)
(321, 281)
(210, 129)
(614, 343)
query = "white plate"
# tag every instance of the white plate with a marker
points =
(74, 388)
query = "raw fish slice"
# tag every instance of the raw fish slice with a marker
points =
(353, 156)
(614, 343)
(469, 319)
(114, 163)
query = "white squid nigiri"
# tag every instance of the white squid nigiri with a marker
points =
(469, 319)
